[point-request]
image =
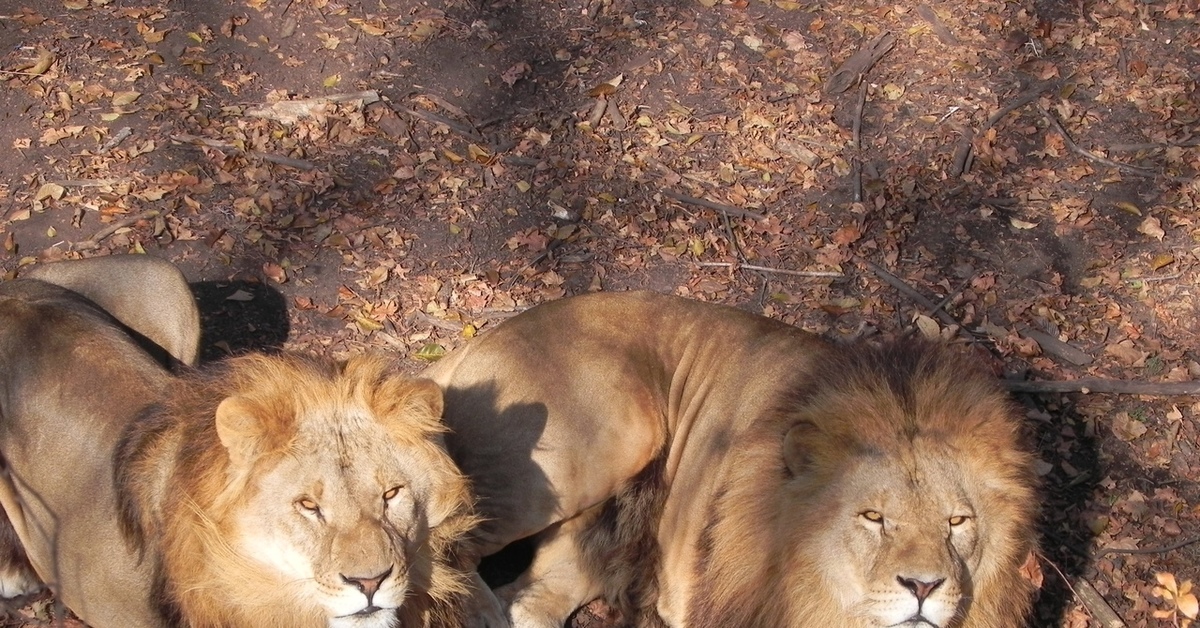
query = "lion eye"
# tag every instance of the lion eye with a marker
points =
(957, 520)
(872, 516)
(392, 492)
(309, 505)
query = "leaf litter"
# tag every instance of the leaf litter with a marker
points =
(504, 155)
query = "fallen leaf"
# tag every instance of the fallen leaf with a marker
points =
(275, 272)
(120, 99)
(1151, 227)
(1022, 224)
(240, 295)
(1126, 353)
(515, 73)
(1127, 428)
(927, 326)
(431, 352)
(49, 190)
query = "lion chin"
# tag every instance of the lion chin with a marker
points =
(695, 465)
(293, 491)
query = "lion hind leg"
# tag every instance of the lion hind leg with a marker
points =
(556, 583)
(17, 577)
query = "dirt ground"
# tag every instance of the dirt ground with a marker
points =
(341, 176)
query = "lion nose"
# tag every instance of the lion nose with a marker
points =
(369, 585)
(920, 588)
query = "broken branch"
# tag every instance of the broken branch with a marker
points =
(94, 241)
(699, 202)
(1112, 386)
(290, 162)
(963, 152)
(768, 269)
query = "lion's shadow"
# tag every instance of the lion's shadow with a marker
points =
(501, 443)
(1063, 440)
(238, 317)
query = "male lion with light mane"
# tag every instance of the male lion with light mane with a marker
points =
(695, 465)
(262, 492)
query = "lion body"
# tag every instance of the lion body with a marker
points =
(72, 379)
(696, 465)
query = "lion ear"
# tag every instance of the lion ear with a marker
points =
(425, 396)
(798, 447)
(239, 427)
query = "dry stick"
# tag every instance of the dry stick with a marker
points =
(290, 162)
(1150, 550)
(1096, 604)
(768, 269)
(908, 291)
(434, 118)
(858, 112)
(1112, 386)
(1104, 161)
(94, 241)
(963, 152)
(699, 202)
(1089, 597)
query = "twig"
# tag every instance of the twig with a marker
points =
(1089, 597)
(94, 241)
(1089, 155)
(290, 162)
(1096, 604)
(21, 73)
(118, 137)
(909, 291)
(852, 70)
(699, 202)
(939, 29)
(857, 166)
(434, 118)
(1056, 347)
(768, 269)
(1149, 550)
(1110, 386)
(1132, 148)
(963, 152)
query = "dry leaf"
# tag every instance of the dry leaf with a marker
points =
(120, 99)
(1126, 353)
(1152, 228)
(515, 73)
(1022, 224)
(49, 190)
(1126, 428)
(275, 272)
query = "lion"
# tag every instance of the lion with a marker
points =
(291, 491)
(262, 491)
(696, 465)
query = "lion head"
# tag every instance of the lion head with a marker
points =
(293, 491)
(890, 489)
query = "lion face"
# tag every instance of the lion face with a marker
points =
(905, 543)
(338, 517)
(326, 499)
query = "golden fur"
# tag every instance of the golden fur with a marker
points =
(313, 473)
(696, 465)
(936, 436)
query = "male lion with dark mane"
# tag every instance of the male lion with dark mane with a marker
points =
(266, 491)
(696, 465)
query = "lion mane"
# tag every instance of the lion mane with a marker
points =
(913, 402)
(295, 455)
